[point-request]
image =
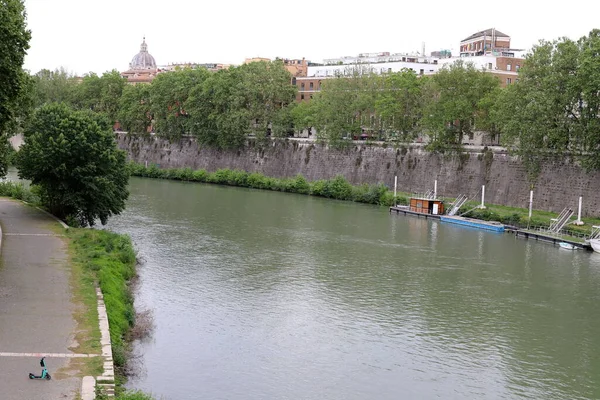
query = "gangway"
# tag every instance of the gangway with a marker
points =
(595, 232)
(558, 223)
(458, 203)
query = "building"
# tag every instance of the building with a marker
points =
(490, 50)
(142, 68)
(212, 67)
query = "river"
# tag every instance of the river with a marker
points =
(266, 295)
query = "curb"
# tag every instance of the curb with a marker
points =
(108, 377)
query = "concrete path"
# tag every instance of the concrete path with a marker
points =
(35, 305)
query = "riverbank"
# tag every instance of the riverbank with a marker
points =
(340, 189)
(92, 258)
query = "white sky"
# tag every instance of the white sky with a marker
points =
(97, 36)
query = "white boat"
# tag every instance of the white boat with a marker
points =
(567, 246)
(595, 243)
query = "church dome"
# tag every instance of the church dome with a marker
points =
(143, 59)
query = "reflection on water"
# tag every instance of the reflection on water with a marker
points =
(261, 295)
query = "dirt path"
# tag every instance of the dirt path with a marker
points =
(35, 305)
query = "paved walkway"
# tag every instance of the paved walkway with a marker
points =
(35, 305)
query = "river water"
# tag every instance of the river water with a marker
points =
(266, 295)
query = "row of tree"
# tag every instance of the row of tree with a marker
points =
(552, 108)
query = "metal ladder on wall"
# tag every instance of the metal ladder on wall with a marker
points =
(458, 203)
(558, 223)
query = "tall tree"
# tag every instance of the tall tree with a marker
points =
(346, 104)
(14, 42)
(53, 86)
(459, 94)
(73, 157)
(401, 104)
(555, 106)
(134, 111)
(101, 94)
(169, 93)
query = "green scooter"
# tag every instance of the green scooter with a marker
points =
(44, 375)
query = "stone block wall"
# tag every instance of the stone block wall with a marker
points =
(559, 184)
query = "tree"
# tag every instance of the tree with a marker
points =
(401, 104)
(134, 111)
(555, 106)
(56, 86)
(346, 104)
(169, 93)
(458, 95)
(73, 158)
(14, 82)
(101, 94)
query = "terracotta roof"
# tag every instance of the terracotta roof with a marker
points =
(487, 32)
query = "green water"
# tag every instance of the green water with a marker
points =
(265, 295)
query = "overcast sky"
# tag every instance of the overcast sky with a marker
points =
(97, 36)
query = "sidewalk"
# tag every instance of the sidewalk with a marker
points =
(35, 305)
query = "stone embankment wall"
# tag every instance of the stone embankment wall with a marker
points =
(559, 184)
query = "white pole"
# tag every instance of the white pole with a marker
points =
(482, 196)
(435, 190)
(579, 212)
(395, 187)
(530, 202)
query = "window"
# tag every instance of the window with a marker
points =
(421, 71)
(294, 81)
(508, 81)
(301, 97)
(302, 86)
(389, 70)
(489, 65)
(311, 96)
(517, 67)
(311, 86)
(508, 67)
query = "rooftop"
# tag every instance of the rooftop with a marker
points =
(487, 32)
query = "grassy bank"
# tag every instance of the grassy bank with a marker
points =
(337, 188)
(108, 259)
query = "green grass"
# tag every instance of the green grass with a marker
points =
(109, 259)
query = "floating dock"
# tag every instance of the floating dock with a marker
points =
(407, 211)
(550, 239)
(474, 223)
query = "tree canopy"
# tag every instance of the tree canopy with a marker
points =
(14, 82)
(555, 106)
(73, 158)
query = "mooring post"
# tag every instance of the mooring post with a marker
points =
(530, 202)
(579, 221)
(395, 187)
(482, 196)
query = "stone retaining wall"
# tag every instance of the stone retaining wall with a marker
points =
(559, 184)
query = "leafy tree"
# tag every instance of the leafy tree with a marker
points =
(134, 111)
(169, 93)
(217, 117)
(56, 86)
(555, 106)
(72, 156)
(265, 91)
(401, 104)
(458, 94)
(101, 94)
(346, 104)
(14, 82)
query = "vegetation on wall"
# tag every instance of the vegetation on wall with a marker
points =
(338, 188)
